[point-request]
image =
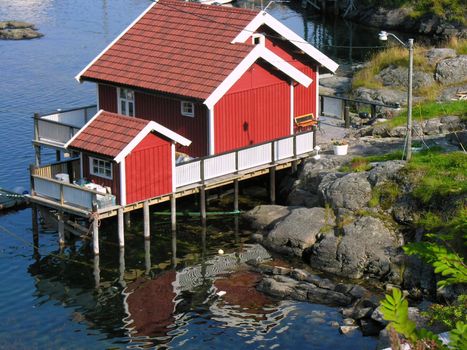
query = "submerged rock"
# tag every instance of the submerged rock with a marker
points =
(18, 30)
(263, 216)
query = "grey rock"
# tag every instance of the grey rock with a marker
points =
(352, 191)
(385, 95)
(302, 198)
(17, 30)
(431, 126)
(449, 93)
(438, 54)
(327, 297)
(358, 291)
(357, 312)
(337, 83)
(272, 287)
(262, 216)
(384, 171)
(396, 76)
(365, 248)
(405, 210)
(297, 232)
(349, 321)
(334, 324)
(299, 274)
(452, 70)
(343, 288)
(347, 329)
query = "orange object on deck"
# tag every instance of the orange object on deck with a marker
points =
(306, 121)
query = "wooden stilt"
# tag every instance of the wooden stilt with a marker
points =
(272, 184)
(121, 228)
(174, 248)
(237, 231)
(314, 135)
(173, 212)
(147, 256)
(202, 203)
(97, 271)
(37, 152)
(146, 218)
(294, 166)
(127, 220)
(121, 268)
(236, 195)
(95, 236)
(35, 230)
(61, 229)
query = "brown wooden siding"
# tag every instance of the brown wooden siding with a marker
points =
(108, 98)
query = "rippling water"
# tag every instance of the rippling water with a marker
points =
(58, 299)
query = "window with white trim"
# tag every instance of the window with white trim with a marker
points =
(126, 102)
(100, 167)
(187, 108)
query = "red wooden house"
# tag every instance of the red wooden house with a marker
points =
(134, 157)
(222, 77)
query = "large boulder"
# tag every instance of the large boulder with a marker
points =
(396, 76)
(352, 191)
(452, 70)
(436, 55)
(364, 249)
(298, 231)
(262, 216)
(384, 171)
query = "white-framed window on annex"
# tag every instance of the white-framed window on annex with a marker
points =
(126, 102)
(187, 108)
(100, 167)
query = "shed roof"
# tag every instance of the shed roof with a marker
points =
(115, 135)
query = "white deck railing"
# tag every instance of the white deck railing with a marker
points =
(202, 169)
(69, 194)
(58, 128)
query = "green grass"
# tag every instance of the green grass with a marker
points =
(384, 195)
(359, 164)
(430, 110)
(437, 175)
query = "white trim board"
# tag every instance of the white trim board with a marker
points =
(258, 52)
(263, 18)
(78, 76)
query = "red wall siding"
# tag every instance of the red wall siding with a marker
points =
(114, 184)
(148, 169)
(256, 109)
(166, 111)
(304, 98)
(108, 98)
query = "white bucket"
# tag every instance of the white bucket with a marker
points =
(340, 150)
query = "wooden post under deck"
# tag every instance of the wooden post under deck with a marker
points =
(173, 212)
(121, 228)
(127, 220)
(97, 271)
(95, 236)
(61, 229)
(35, 229)
(202, 203)
(147, 256)
(272, 185)
(146, 218)
(236, 195)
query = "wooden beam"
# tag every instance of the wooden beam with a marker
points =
(121, 228)
(147, 220)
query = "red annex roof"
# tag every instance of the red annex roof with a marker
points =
(108, 134)
(177, 47)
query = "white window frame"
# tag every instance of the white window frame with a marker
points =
(184, 111)
(126, 100)
(99, 166)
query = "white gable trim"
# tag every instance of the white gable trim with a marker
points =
(78, 76)
(271, 22)
(84, 127)
(258, 52)
(151, 126)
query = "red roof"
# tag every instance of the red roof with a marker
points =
(177, 47)
(108, 133)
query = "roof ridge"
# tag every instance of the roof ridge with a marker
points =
(218, 8)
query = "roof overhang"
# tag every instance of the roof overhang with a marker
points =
(258, 52)
(152, 126)
(263, 18)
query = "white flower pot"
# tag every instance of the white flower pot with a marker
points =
(340, 150)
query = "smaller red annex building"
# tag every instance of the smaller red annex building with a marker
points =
(134, 157)
(222, 77)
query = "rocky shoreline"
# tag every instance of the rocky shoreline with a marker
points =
(18, 30)
(400, 19)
